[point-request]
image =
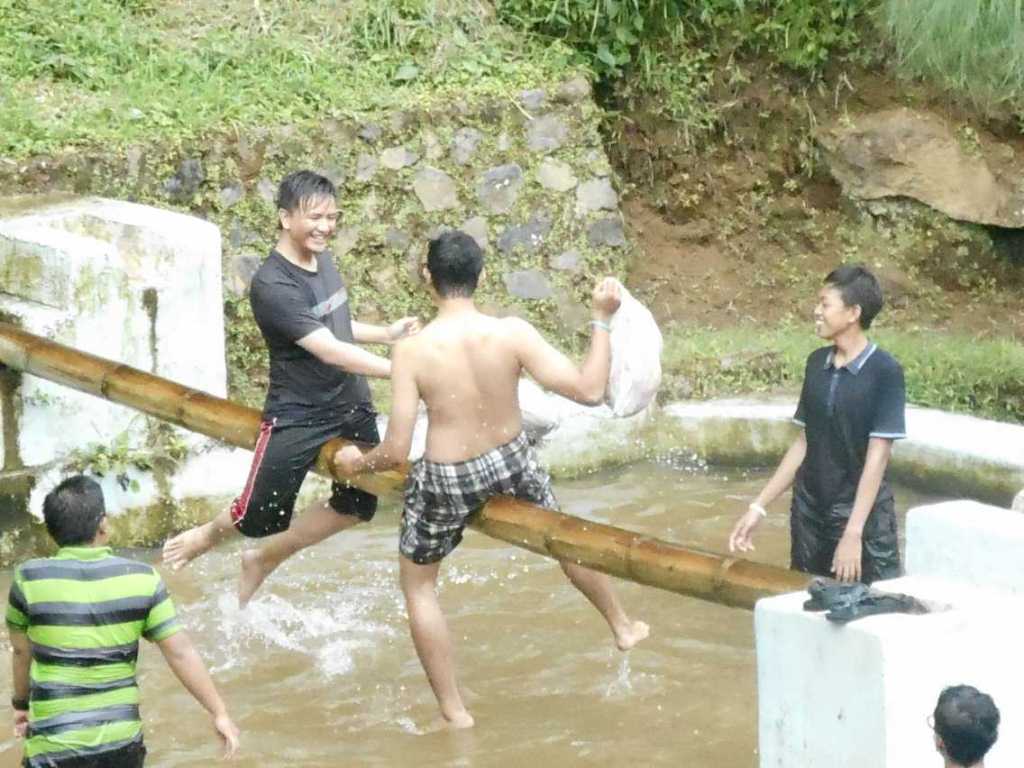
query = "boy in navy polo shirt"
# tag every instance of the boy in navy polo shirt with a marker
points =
(842, 518)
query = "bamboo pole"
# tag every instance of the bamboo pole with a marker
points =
(628, 555)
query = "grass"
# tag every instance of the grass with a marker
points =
(972, 47)
(80, 72)
(982, 377)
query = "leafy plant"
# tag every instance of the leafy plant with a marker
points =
(974, 48)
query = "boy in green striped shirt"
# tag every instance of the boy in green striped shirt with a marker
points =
(75, 621)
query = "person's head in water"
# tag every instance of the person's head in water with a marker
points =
(966, 725)
(454, 264)
(75, 513)
(307, 213)
(851, 296)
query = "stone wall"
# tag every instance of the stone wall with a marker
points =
(527, 177)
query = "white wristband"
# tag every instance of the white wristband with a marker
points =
(759, 509)
(601, 324)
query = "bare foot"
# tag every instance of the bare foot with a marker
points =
(632, 634)
(185, 547)
(459, 720)
(253, 574)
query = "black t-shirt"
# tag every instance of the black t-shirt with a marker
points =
(290, 303)
(841, 409)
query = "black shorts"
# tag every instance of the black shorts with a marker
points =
(815, 534)
(282, 457)
(129, 756)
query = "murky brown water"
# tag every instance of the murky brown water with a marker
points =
(320, 671)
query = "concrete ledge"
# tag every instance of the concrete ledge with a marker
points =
(967, 542)
(858, 695)
(944, 452)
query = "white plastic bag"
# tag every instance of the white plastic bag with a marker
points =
(636, 358)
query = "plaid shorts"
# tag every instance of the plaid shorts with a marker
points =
(440, 497)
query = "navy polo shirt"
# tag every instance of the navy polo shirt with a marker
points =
(841, 409)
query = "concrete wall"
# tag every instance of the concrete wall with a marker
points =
(858, 695)
(947, 453)
(130, 283)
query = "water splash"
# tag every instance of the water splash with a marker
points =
(623, 682)
(332, 635)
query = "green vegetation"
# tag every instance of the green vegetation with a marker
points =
(974, 48)
(122, 71)
(981, 377)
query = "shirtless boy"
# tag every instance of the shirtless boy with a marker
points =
(465, 366)
(317, 390)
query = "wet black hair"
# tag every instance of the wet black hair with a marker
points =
(301, 187)
(73, 511)
(967, 721)
(858, 287)
(455, 262)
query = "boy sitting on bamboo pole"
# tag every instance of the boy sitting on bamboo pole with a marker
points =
(465, 366)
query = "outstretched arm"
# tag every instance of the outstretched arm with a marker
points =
(366, 333)
(186, 664)
(21, 660)
(741, 538)
(555, 372)
(405, 400)
(324, 346)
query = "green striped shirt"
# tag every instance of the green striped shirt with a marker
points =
(84, 611)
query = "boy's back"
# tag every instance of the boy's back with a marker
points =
(467, 371)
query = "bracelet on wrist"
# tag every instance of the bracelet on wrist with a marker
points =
(759, 509)
(601, 324)
(19, 704)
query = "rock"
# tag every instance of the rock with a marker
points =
(785, 209)
(345, 240)
(597, 162)
(435, 190)
(607, 232)
(239, 235)
(186, 181)
(533, 99)
(396, 158)
(504, 142)
(249, 157)
(476, 228)
(556, 175)
(595, 195)
(528, 236)
(398, 121)
(267, 191)
(568, 261)
(527, 284)
(572, 315)
(231, 194)
(432, 148)
(1018, 502)
(464, 144)
(546, 134)
(903, 153)
(134, 157)
(385, 280)
(698, 231)
(499, 187)
(573, 91)
(243, 267)
(370, 133)
(334, 174)
(397, 240)
(366, 167)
